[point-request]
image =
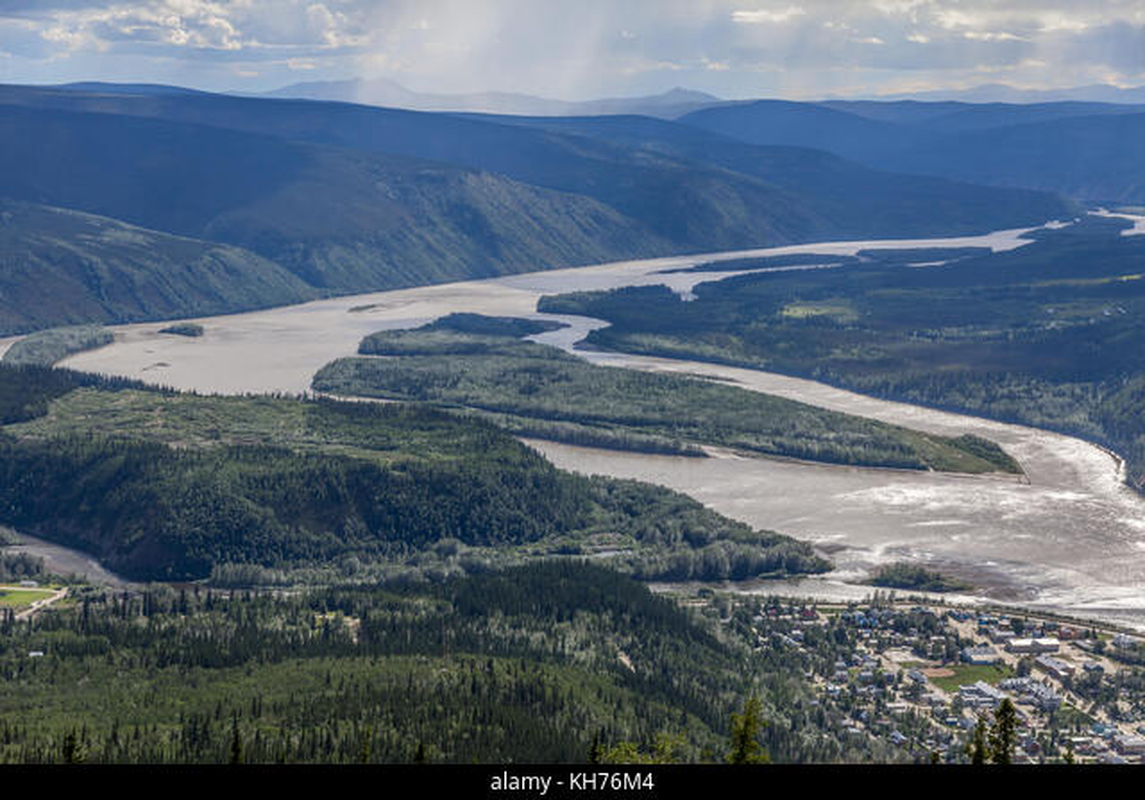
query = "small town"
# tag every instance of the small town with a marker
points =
(922, 676)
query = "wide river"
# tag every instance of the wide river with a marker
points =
(1070, 538)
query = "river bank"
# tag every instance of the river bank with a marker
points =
(1073, 537)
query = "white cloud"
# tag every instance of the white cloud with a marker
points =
(991, 36)
(893, 7)
(1056, 21)
(765, 16)
(584, 48)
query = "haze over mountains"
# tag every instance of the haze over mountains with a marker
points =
(344, 197)
(381, 92)
(1088, 151)
(671, 104)
(1003, 93)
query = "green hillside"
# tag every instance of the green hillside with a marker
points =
(1087, 151)
(167, 486)
(60, 267)
(539, 664)
(338, 219)
(688, 189)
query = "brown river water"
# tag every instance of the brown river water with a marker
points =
(1071, 537)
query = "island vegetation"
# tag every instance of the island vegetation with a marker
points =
(915, 577)
(45, 348)
(523, 383)
(189, 329)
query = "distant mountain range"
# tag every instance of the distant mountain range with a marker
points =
(1002, 93)
(667, 105)
(1089, 151)
(346, 198)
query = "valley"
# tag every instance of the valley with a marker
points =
(1021, 539)
(669, 429)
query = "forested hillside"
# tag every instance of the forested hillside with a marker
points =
(163, 486)
(853, 200)
(270, 201)
(550, 663)
(1087, 151)
(60, 267)
(340, 220)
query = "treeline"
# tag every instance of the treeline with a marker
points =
(513, 327)
(911, 255)
(521, 666)
(19, 566)
(460, 334)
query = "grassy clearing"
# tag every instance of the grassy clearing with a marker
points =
(19, 598)
(965, 674)
(842, 312)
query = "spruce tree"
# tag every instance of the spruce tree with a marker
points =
(236, 742)
(1003, 733)
(977, 747)
(745, 746)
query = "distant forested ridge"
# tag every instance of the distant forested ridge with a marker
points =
(1048, 334)
(1089, 151)
(520, 383)
(166, 486)
(211, 204)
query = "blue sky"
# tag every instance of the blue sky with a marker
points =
(581, 49)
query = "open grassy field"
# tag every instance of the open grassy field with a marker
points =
(965, 674)
(19, 598)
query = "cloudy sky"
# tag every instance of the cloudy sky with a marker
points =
(575, 49)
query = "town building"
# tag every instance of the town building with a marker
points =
(981, 655)
(1042, 645)
(1055, 667)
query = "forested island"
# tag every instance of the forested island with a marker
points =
(541, 391)
(915, 577)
